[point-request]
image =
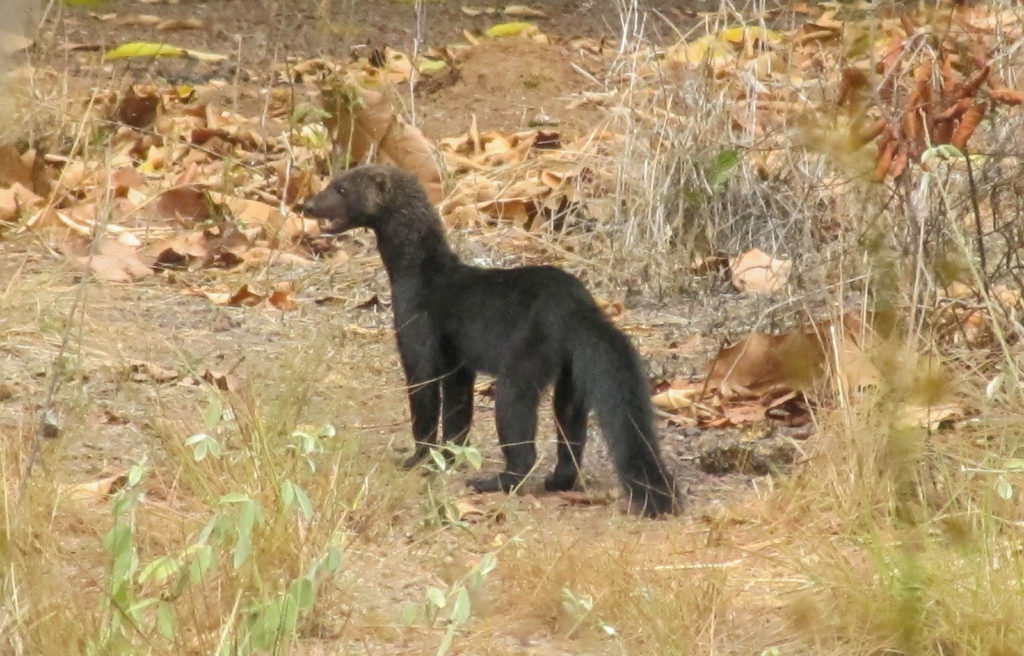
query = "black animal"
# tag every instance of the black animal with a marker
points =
(528, 326)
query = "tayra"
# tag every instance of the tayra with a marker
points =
(529, 326)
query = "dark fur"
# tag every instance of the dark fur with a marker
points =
(529, 326)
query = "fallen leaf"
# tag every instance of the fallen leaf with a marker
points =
(522, 11)
(762, 364)
(142, 371)
(282, 300)
(756, 271)
(96, 490)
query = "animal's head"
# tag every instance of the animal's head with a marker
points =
(355, 199)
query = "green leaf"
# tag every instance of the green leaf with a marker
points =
(332, 561)
(165, 620)
(213, 414)
(1004, 489)
(435, 597)
(438, 458)
(243, 547)
(303, 592)
(305, 505)
(153, 49)
(1014, 464)
(719, 169)
(461, 608)
(474, 458)
(200, 564)
(160, 569)
(410, 611)
(234, 497)
(287, 493)
(430, 65)
(289, 615)
(487, 563)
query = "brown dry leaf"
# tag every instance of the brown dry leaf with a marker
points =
(139, 106)
(744, 413)
(610, 309)
(180, 24)
(576, 498)
(111, 260)
(185, 250)
(680, 395)
(13, 169)
(226, 381)
(708, 263)
(96, 490)
(930, 417)
(283, 299)
(756, 271)
(244, 297)
(142, 371)
(362, 123)
(468, 510)
(515, 210)
(522, 11)
(186, 204)
(15, 199)
(762, 364)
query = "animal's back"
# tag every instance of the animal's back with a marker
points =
(486, 314)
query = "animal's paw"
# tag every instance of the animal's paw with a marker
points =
(560, 482)
(503, 482)
(421, 453)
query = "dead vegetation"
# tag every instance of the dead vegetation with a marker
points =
(200, 400)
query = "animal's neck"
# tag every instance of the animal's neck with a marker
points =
(414, 246)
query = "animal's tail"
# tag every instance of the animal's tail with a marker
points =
(606, 368)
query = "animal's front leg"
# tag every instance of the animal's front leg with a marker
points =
(425, 408)
(457, 405)
(418, 349)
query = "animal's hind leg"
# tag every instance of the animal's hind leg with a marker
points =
(519, 385)
(516, 412)
(571, 419)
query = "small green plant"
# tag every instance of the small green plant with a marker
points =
(454, 605)
(440, 508)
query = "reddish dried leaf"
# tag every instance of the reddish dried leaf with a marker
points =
(954, 111)
(188, 205)
(139, 106)
(951, 79)
(244, 297)
(899, 161)
(968, 124)
(974, 82)
(870, 133)
(1006, 95)
(283, 300)
(761, 364)
(852, 81)
(885, 155)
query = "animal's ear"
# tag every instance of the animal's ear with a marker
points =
(381, 180)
